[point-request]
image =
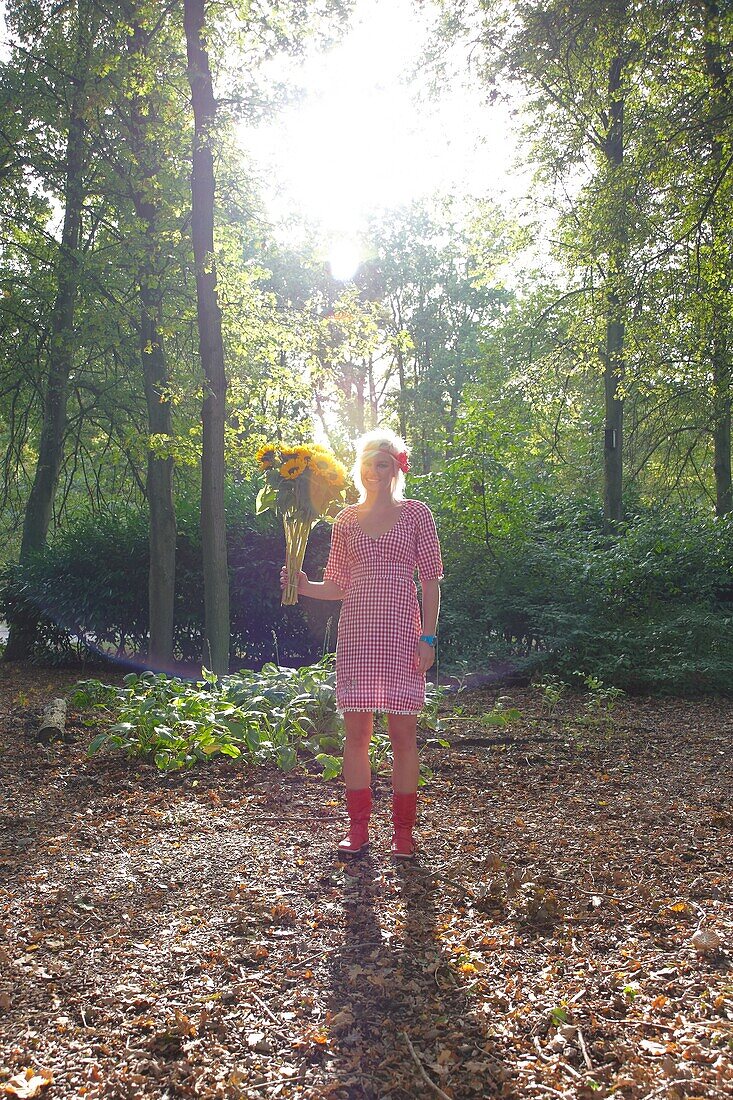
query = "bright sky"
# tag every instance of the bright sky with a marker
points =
(365, 135)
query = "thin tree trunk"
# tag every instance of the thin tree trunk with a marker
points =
(360, 397)
(722, 429)
(159, 484)
(719, 279)
(61, 348)
(399, 329)
(613, 358)
(373, 403)
(213, 523)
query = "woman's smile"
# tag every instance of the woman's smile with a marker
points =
(377, 471)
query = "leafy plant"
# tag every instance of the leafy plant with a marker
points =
(268, 717)
(600, 703)
(500, 716)
(552, 690)
(534, 585)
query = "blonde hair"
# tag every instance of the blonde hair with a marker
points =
(386, 441)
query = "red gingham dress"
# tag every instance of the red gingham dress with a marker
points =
(380, 624)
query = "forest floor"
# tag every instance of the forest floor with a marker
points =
(193, 935)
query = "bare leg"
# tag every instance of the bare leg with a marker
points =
(403, 735)
(357, 769)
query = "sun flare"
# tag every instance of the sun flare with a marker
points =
(364, 135)
(344, 257)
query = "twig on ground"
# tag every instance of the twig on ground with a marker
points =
(635, 1023)
(683, 1081)
(452, 882)
(264, 1007)
(571, 1071)
(428, 1081)
(584, 1050)
(591, 893)
(540, 1051)
(487, 742)
(280, 1081)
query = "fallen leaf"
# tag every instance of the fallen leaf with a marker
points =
(657, 1049)
(341, 1020)
(28, 1083)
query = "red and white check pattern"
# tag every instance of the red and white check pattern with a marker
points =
(380, 620)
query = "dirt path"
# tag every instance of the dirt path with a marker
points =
(194, 936)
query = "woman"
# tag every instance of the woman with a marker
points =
(384, 648)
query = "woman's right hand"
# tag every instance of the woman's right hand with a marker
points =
(302, 580)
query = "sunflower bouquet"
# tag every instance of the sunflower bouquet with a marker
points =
(302, 485)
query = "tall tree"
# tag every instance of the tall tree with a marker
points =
(582, 68)
(60, 354)
(436, 272)
(211, 346)
(717, 225)
(617, 200)
(148, 147)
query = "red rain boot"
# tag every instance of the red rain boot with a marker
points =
(404, 812)
(359, 807)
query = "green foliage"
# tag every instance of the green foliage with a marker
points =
(90, 587)
(500, 716)
(539, 587)
(268, 717)
(263, 716)
(552, 689)
(601, 702)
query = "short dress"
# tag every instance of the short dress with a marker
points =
(380, 622)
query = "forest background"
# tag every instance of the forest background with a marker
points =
(564, 380)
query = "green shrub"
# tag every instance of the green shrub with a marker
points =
(87, 594)
(649, 609)
(265, 717)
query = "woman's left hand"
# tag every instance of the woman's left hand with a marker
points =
(424, 656)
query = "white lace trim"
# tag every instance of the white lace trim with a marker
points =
(371, 710)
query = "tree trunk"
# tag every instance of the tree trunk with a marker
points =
(53, 723)
(722, 429)
(613, 356)
(61, 347)
(162, 532)
(360, 397)
(719, 278)
(373, 403)
(159, 484)
(213, 525)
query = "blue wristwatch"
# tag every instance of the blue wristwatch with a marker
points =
(431, 639)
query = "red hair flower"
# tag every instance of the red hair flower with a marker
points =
(401, 460)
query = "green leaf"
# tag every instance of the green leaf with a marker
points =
(231, 750)
(287, 758)
(96, 743)
(331, 765)
(266, 499)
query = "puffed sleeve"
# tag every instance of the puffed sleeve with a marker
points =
(337, 567)
(429, 560)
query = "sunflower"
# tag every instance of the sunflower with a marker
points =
(292, 467)
(321, 463)
(302, 452)
(336, 478)
(266, 456)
